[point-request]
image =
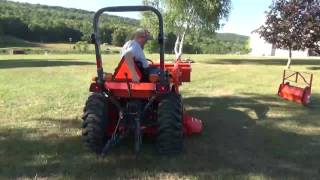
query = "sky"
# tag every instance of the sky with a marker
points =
(245, 16)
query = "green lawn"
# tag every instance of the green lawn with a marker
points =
(250, 133)
(8, 42)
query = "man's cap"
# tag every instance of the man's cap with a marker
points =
(141, 32)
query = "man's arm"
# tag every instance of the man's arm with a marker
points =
(130, 62)
(139, 54)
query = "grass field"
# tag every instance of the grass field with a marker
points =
(9, 42)
(249, 132)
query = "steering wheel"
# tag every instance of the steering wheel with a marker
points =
(150, 61)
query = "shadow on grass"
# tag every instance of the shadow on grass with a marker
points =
(315, 68)
(315, 101)
(7, 64)
(239, 139)
(280, 62)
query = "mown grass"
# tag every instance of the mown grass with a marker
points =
(8, 42)
(249, 132)
(70, 47)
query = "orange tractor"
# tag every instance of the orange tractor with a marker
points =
(119, 107)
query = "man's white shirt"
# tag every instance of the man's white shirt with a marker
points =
(135, 48)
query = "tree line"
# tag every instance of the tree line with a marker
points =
(40, 23)
(202, 43)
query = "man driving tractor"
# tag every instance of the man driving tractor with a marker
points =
(150, 106)
(133, 52)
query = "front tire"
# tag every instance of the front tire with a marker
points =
(170, 132)
(95, 121)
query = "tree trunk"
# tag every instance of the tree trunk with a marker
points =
(176, 45)
(179, 46)
(289, 59)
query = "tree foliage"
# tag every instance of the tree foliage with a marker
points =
(206, 15)
(183, 15)
(149, 19)
(119, 37)
(198, 15)
(152, 46)
(55, 24)
(40, 23)
(207, 43)
(82, 46)
(293, 25)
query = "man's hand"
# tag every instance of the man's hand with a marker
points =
(149, 60)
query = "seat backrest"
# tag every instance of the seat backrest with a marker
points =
(122, 72)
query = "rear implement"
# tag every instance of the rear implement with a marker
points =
(294, 92)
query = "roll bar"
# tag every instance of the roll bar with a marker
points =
(96, 40)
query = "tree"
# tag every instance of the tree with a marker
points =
(1, 30)
(86, 29)
(149, 20)
(106, 35)
(14, 27)
(184, 15)
(196, 15)
(82, 46)
(292, 25)
(152, 46)
(119, 37)
(170, 42)
(311, 19)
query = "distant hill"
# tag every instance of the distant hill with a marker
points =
(28, 11)
(231, 37)
(53, 24)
